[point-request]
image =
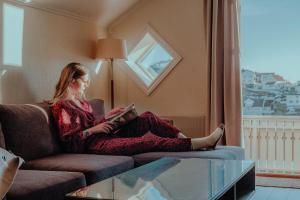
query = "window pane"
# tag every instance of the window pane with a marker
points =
(13, 18)
(157, 60)
(148, 59)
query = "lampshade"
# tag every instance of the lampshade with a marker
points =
(110, 48)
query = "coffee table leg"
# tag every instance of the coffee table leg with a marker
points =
(230, 194)
(243, 189)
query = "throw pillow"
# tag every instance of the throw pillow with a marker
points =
(9, 165)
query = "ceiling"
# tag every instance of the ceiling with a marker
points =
(101, 11)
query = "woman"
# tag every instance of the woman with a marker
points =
(81, 133)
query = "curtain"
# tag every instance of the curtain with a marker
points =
(224, 69)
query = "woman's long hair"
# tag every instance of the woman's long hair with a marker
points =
(70, 72)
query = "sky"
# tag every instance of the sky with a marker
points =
(270, 37)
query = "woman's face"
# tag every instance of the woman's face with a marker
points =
(81, 83)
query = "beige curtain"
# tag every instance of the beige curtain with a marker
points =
(225, 92)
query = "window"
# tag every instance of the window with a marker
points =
(269, 36)
(151, 60)
(13, 18)
(270, 55)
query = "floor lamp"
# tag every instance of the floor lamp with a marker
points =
(110, 49)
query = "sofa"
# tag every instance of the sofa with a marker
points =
(28, 130)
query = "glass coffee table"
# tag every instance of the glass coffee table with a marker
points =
(174, 179)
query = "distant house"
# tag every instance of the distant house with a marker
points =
(265, 77)
(297, 89)
(255, 109)
(258, 106)
(269, 86)
(279, 85)
(267, 107)
(291, 111)
(248, 103)
(248, 77)
(278, 77)
(293, 101)
(281, 99)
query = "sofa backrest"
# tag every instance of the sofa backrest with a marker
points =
(27, 130)
(98, 107)
(30, 131)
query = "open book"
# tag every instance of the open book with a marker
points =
(124, 117)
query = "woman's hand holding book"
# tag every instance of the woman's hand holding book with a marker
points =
(105, 127)
(114, 112)
(114, 120)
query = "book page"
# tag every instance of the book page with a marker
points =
(128, 108)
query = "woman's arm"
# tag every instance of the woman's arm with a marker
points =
(104, 127)
(69, 125)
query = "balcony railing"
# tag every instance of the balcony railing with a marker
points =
(273, 142)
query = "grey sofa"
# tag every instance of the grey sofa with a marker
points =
(28, 130)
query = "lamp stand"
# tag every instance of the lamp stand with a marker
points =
(112, 98)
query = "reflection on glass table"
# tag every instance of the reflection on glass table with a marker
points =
(173, 178)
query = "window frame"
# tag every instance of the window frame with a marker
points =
(130, 64)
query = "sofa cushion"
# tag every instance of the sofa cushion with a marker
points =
(95, 167)
(46, 185)
(221, 152)
(27, 130)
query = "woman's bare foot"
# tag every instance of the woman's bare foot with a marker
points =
(210, 141)
(217, 135)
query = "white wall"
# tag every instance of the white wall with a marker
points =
(50, 41)
(182, 24)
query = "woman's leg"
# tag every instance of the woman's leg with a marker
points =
(136, 145)
(148, 121)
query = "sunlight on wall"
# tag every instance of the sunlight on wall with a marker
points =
(99, 66)
(3, 72)
(13, 18)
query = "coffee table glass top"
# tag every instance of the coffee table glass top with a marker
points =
(170, 178)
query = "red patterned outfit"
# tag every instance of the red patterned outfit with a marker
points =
(130, 139)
